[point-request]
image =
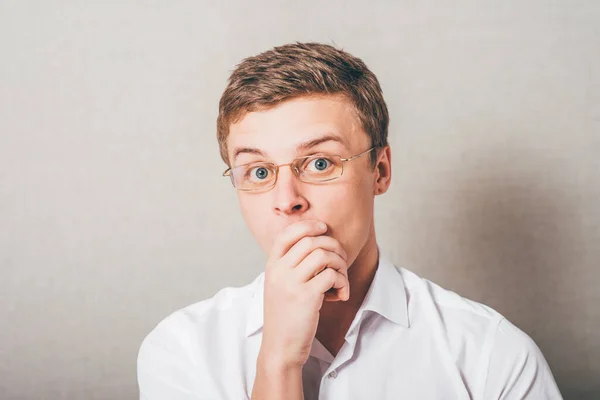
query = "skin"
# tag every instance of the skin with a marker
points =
(313, 287)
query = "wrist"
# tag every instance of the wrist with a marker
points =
(277, 378)
(274, 363)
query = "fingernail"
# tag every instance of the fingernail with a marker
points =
(322, 225)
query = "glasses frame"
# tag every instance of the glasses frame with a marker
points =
(228, 171)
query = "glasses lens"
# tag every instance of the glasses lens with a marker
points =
(253, 176)
(319, 168)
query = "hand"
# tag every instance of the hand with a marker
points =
(303, 266)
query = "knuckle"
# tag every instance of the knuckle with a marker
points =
(320, 253)
(330, 274)
(307, 242)
(332, 280)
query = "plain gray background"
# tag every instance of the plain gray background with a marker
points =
(113, 211)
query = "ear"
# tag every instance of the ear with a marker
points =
(382, 171)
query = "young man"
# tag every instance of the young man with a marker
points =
(303, 129)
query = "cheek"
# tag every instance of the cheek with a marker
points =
(349, 212)
(256, 217)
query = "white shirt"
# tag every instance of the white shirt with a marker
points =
(410, 339)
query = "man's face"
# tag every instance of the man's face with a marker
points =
(344, 204)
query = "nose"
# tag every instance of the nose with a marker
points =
(288, 198)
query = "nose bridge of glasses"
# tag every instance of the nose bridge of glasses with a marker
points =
(293, 166)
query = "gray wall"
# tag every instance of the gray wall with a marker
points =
(113, 212)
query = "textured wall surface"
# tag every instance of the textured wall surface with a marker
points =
(113, 211)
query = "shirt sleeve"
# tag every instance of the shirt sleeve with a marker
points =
(165, 370)
(517, 369)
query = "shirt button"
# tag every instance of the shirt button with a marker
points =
(333, 374)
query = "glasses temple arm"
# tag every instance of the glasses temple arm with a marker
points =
(358, 155)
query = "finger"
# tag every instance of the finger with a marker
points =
(328, 279)
(308, 244)
(293, 233)
(317, 261)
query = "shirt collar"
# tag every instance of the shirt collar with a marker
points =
(386, 296)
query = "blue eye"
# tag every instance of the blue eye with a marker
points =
(320, 164)
(260, 173)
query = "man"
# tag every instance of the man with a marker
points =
(303, 130)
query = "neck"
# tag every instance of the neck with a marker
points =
(336, 317)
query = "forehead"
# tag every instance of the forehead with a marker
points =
(278, 131)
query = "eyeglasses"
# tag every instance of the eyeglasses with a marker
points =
(313, 169)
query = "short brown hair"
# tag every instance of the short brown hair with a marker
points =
(301, 69)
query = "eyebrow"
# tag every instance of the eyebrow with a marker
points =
(329, 137)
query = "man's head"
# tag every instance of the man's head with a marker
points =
(277, 103)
